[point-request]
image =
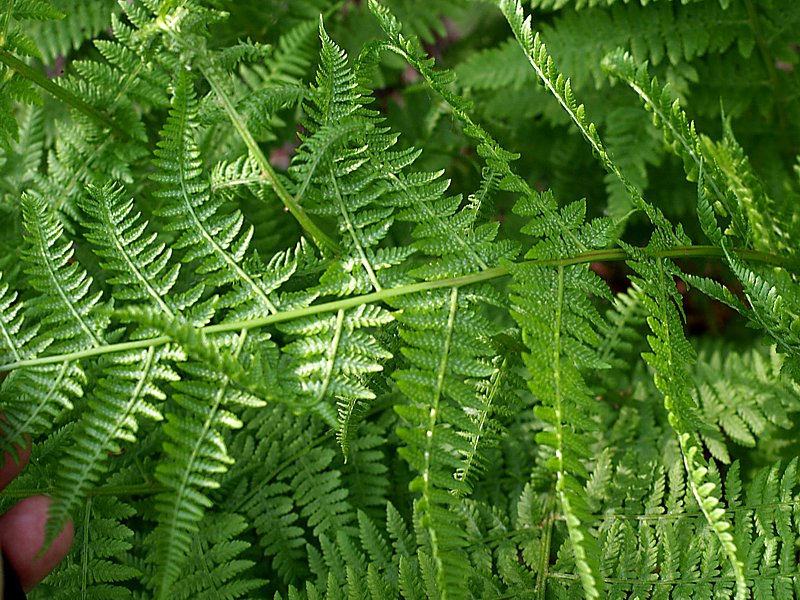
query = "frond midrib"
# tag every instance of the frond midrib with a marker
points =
(200, 226)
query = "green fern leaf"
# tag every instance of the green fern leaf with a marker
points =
(561, 337)
(278, 439)
(14, 41)
(561, 88)
(218, 570)
(74, 318)
(749, 401)
(775, 300)
(667, 34)
(98, 568)
(445, 347)
(127, 390)
(336, 354)
(679, 133)
(669, 359)
(31, 398)
(197, 455)
(81, 22)
(216, 240)
(144, 271)
(110, 140)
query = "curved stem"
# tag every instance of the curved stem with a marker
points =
(268, 174)
(610, 255)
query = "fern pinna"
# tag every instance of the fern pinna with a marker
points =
(289, 310)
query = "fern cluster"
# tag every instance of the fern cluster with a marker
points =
(322, 299)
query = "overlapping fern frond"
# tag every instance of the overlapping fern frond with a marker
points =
(298, 328)
(219, 240)
(561, 334)
(218, 567)
(670, 358)
(668, 34)
(81, 22)
(105, 135)
(101, 565)
(720, 171)
(751, 402)
(17, 43)
(70, 317)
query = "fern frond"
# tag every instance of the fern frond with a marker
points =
(16, 334)
(495, 68)
(679, 133)
(774, 530)
(81, 22)
(196, 455)
(14, 87)
(32, 398)
(560, 87)
(341, 170)
(748, 401)
(215, 239)
(767, 222)
(772, 295)
(775, 300)
(74, 317)
(319, 493)
(334, 354)
(111, 141)
(128, 390)
(345, 169)
(669, 360)
(562, 337)
(97, 568)
(186, 32)
(218, 570)
(671, 34)
(422, 195)
(21, 162)
(447, 347)
(278, 438)
(498, 401)
(361, 564)
(291, 59)
(143, 268)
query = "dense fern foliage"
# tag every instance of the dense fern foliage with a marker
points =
(398, 299)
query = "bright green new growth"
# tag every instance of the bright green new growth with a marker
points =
(393, 369)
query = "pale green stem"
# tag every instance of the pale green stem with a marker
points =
(267, 172)
(59, 92)
(611, 255)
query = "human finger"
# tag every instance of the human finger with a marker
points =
(22, 537)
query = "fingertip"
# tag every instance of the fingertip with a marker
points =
(22, 535)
